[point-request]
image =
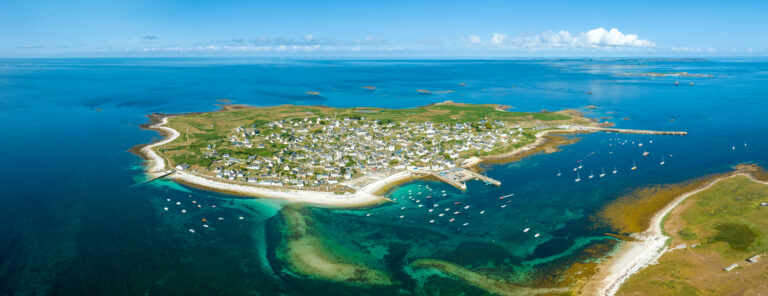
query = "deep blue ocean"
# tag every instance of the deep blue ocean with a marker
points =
(71, 223)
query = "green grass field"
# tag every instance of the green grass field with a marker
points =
(730, 226)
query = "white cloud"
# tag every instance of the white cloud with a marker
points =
(498, 39)
(599, 38)
(474, 39)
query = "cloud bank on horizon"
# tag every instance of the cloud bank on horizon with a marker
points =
(599, 38)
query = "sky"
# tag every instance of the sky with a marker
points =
(292, 28)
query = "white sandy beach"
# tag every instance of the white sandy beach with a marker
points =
(636, 255)
(365, 196)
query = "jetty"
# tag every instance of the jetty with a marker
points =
(457, 177)
(163, 175)
(625, 131)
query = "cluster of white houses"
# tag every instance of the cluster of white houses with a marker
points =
(326, 151)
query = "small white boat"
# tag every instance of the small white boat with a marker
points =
(191, 230)
(603, 173)
(165, 208)
(526, 229)
(575, 169)
(734, 147)
(615, 170)
(640, 145)
(662, 160)
(183, 211)
(421, 205)
(646, 153)
(222, 218)
(482, 212)
(503, 206)
(465, 224)
(591, 175)
(466, 207)
(430, 210)
(634, 166)
(241, 218)
(168, 199)
(205, 225)
(431, 221)
(178, 203)
(578, 178)
(536, 235)
(441, 214)
(559, 173)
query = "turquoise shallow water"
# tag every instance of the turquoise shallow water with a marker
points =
(71, 224)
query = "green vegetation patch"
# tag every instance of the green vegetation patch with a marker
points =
(739, 236)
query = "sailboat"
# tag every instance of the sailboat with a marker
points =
(559, 173)
(615, 170)
(580, 166)
(733, 147)
(646, 153)
(634, 166)
(662, 160)
(602, 174)
(591, 174)
(578, 178)
(745, 144)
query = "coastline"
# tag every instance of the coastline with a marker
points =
(649, 246)
(367, 195)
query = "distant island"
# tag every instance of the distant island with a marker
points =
(344, 157)
(673, 74)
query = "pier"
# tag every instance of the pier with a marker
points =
(155, 178)
(457, 177)
(630, 131)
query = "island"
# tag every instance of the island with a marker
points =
(346, 157)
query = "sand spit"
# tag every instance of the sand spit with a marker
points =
(632, 256)
(306, 254)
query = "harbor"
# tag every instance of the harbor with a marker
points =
(457, 177)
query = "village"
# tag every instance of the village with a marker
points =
(322, 153)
